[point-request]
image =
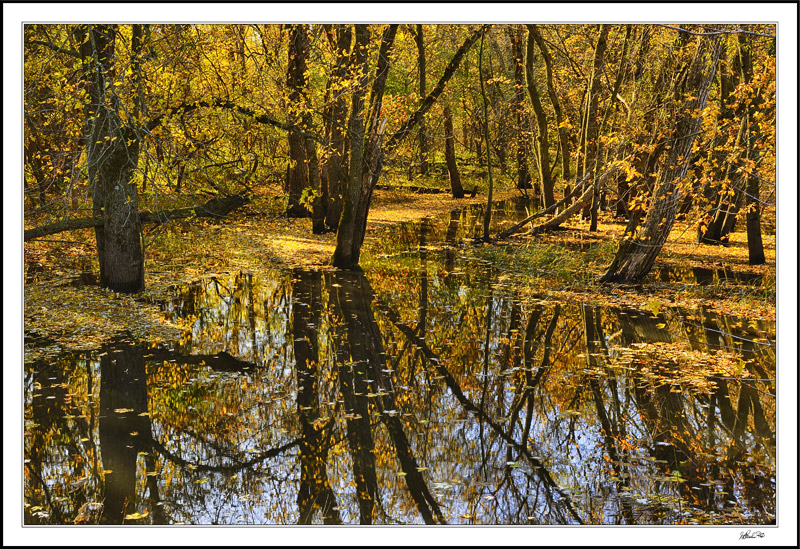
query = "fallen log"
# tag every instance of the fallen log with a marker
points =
(576, 206)
(511, 230)
(580, 186)
(216, 207)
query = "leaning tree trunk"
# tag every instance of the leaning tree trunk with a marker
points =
(112, 155)
(636, 255)
(450, 155)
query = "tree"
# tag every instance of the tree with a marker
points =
(450, 155)
(561, 121)
(298, 172)
(521, 120)
(112, 155)
(365, 169)
(542, 142)
(755, 246)
(334, 164)
(636, 255)
(419, 39)
(487, 218)
(590, 129)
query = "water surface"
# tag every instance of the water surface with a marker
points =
(426, 390)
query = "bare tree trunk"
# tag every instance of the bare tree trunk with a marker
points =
(423, 138)
(450, 155)
(487, 218)
(542, 142)
(636, 256)
(563, 132)
(523, 172)
(591, 130)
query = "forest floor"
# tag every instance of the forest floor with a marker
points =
(64, 308)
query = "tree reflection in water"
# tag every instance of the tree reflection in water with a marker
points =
(425, 393)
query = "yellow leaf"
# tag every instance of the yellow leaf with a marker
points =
(137, 516)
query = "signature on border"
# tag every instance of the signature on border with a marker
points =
(751, 534)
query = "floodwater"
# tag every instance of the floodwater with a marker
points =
(425, 390)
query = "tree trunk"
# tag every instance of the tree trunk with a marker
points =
(423, 138)
(563, 132)
(345, 235)
(112, 156)
(334, 168)
(591, 129)
(450, 155)
(373, 154)
(542, 142)
(523, 172)
(487, 218)
(352, 226)
(719, 222)
(297, 172)
(755, 245)
(636, 255)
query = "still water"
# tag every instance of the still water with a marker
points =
(425, 390)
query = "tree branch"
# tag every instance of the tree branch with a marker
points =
(186, 108)
(437, 90)
(216, 207)
(55, 48)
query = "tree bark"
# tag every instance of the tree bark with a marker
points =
(423, 138)
(334, 167)
(297, 172)
(523, 172)
(636, 255)
(112, 156)
(542, 141)
(450, 155)
(563, 132)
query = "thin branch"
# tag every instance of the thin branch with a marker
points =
(186, 108)
(55, 48)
